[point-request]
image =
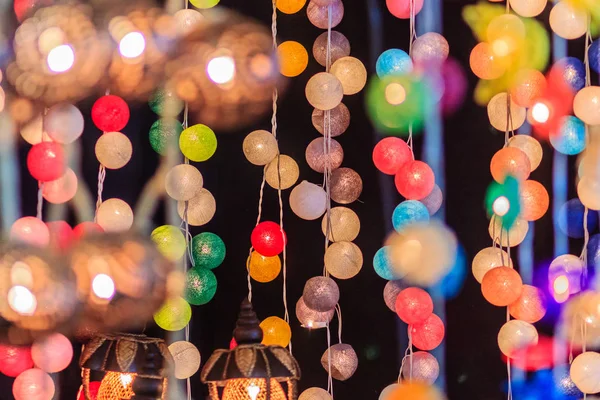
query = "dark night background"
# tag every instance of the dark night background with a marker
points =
(474, 369)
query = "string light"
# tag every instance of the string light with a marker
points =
(61, 58)
(132, 45)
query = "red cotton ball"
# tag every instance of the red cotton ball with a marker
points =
(94, 387)
(46, 161)
(86, 228)
(110, 113)
(14, 360)
(428, 334)
(414, 305)
(390, 154)
(61, 235)
(415, 180)
(401, 8)
(267, 239)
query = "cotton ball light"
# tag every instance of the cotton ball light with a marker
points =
(186, 359)
(528, 8)
(530, 146)
(339, 118)
(342, 360)
(484, 63)
(113, 150)
(33, 384)
(260, 147)
(594, 55)
(487, 259)
(588, 190)
(568, 21)
(529, 84)
(110, 113)
(571, 217)
(268, 238)
(204, 4)
(183, 182)
(308, 201)
(570, 137)
(567, 268)
(415, 180)
(510, 161)
(515, 336)
(290, 6)
(430, 48)
(345, 185)
(61, 190)
(501, 286)
(393, 62)
(320, 15)
(433, 201)
(382, 263)
(33, 131)
(52, 353)
(414, 305)
(200, 286)
(200, 208)
(321, 294)
(390, 154)
(30, 230)
(416, 391)
(318, 160)
(198, 142)
(505, 33)
(338, 47)
(63, 123)
(310, 318)
(187, 20)
(293, 58)
(169, 241)
(208, 250)
(164, 101)
(61, 235)
(390, 293)
(263, 269)
(344, 224)
(46, 161)
(14, 360)
(324, 91)
(402, 8)
(276, 332)
(409, 212)
(534, 200)
(427, 334)
(282, 172)
(114, 215)
(386, 393)
(173, 315)
(343, 260)
(585, 371)
(352, 74)
(497, 110)
(421, 367)
(530, 306)
(571, 71)
(164, 135)
(315, 393)
(586, 105)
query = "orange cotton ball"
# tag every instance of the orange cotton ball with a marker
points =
(415, 391)
(534, 200)
(510, 161)
(293, 58)
(530, 306)
(484, 64)
(529, 84)
(501, 286)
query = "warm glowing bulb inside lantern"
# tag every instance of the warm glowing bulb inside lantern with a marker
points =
(540, 113)
(395, 94)
(253, 391)
(21, 300)
(501, 206)
(103, 286)
(126, 379)
(132, 45)
(61, 58)
(221, 69)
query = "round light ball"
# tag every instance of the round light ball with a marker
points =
(570, 137)
(484, 63)
(338, 47)
(46, 161)
(345, 185)
(164, 135)
(586, 105)
(310, 318)
(390, 154)
(110, 113)
(174, 315)
(30, 230)
(511, 237)
(293, 58)
(530, 146)
(338, 121)
(183, 182)
(200, 286)
(268, 238)
(203, 4)
(571, 70)
(198, 142)
(568, 21)
(318, 160)
(352, 74)
(33, 384)
(594, 56)
(585, 370)
(200, 208)
(487, 259)
(186, 359)
(421, 367)
(393, 62)
(114, 215)
(530, 306)
(516, 336)
(344, 224)
(402, 8)
(52, 353)
(382, 263)
(260, 147)
(14, 360)
(501, 286)
(414, 305)
(415, 180)
(169, 241)
(587, 190)
(315, 393)
(409, 212)
(529, 85)
(324, 91)
(319, 15)
(386, 393)
(570, 219)
(61, 190)
(390, 293)
(263, 269)
(510, 161)
(528, 8)
(113, 150)
(343, 260)
(568, 267)
(430, 48)
(497, 110)
(534, 200)
(208, 250)
(321, 294)
(63, 123)
(165, 102)
(433, 201)
(290, 6)
(342, 360)
(282, 172)
(276, 332)
(428, 334)
(308, 201)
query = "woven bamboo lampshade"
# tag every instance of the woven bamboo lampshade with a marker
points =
(251, 371)
(128, 367)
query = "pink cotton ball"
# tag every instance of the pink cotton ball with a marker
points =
(414, 305)
(62, 189)
(33, 384)
(401, 8)
(390, 154)
(455, 86)
(52, 353)
(428, 334)
(415, 180)
(30, 230)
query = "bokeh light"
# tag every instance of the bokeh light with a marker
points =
(132, 45)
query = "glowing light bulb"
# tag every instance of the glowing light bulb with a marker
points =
(126, 379)
(61, 58)
(132, 45)
(395, 94)
(540, 113)
(21, 300)
(253, 391)
(103, 286)
(221, 69)
(561, 285)
(501, 206)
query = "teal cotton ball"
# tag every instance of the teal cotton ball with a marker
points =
(393, 62)
(208, 250)
(570, 138)
(200, 286)
(409, 212)
(382, 263)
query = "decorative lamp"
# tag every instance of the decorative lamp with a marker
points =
(344, 361)
(251, 371)
(128, 366)
(338, 47)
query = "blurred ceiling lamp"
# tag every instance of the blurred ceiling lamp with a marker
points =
(127, 366)
(132, 45)
(251, 371)
(221, 69)
(61, 58)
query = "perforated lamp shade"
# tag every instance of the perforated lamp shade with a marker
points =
(251, 371)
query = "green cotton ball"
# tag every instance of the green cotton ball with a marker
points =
(165, 103)
(208, 250)
(164, 133)
(200, 286)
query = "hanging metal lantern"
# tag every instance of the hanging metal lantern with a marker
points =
(251, 371)
(127, 366)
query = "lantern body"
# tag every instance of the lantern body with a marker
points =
(530, 146)
(33, 384)
(351, 73)
(393, 62)
(570, 138)
(324, 91)
(293, 58)
(319, 15)
(409, 212)
(344, 224)
(339, 118)
(308, 201)
(584, 372)
(430, 48)
(264, 269)
(113, 150)
(484, 63)
(402, 8)
(343, 260)
(198, 142)
(510, 161)
(268, 239)
(174, 315)
(164, 134)
(186, 357)
(183, 182)
(276, 332)
(200, 286)
(321, 294)
(421, 367)
(382, 263)
(428, 334)
(310, 318)
(252, 389)
(498, 109)
(110, 113)
(52, 353)
(208, 250)
(14, 360)
(568, 21)
(282, 172)
(30, 230)
(339, 47)
(390, 154)
(169, 241)
(530, 306)
(46, 161)
(414, 305)
(63, 123)
(345, 185)
(343, 361)
(260, 147)
(415, 180)
(114, 215)
(318, 160)
(534, 200)
(586, 105)
(515, 336)
(501, 286)
(487, 259)
(116, 385)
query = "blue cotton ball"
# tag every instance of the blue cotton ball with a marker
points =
(570, 138)
(594, 55)
(382, 263)
(452, 283)
(593, 251)
(573, 72)
(563, 382)
(409, 212)
(570, 219)
(393, 62)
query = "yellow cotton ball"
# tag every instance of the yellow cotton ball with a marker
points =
(343, 260)
(344, 224)
(276, 332)
(293, 58)
(497, 113)
(528, 8)
(114, 215)
(201, 208)
(183, 182)
(174, 314)
(290, 6)
(198, 142)
(515, 235)
(487, 259)
(204, 3)
(585, 371)
(113, 150)
(169, 241)
(263, 269)
(324, 91)
(567, 21)
(351, 72)
(284, 168)
(260, 147)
